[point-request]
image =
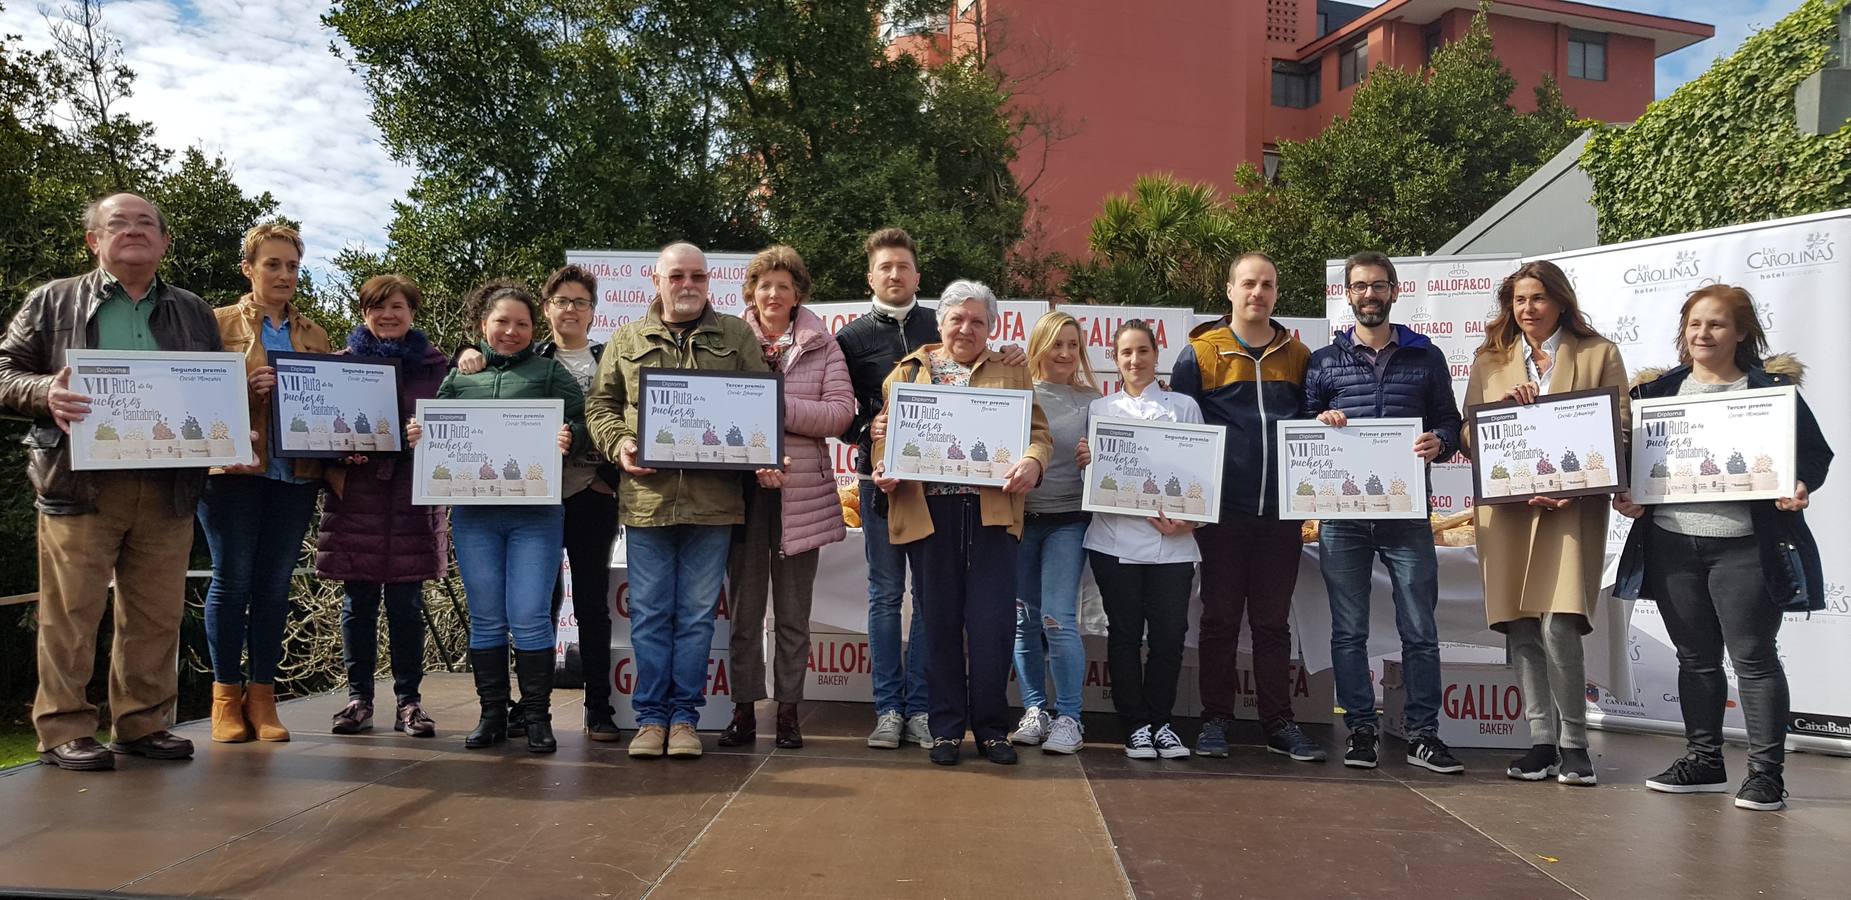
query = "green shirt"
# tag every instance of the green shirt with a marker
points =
(122, 323)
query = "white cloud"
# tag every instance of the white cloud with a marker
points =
(256, 83)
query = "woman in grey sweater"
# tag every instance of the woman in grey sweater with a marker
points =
(1049, 562)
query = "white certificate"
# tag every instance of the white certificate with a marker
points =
(331, 406)
(1364, 470)
(487, 452)
(1700, 448)
(689, 419)
(956, 435)
(160, 410)
(1563, 445)
(1142, 467)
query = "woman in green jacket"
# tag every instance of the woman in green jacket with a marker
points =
(509, 555)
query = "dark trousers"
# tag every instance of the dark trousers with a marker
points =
(404, 630)
(1143, 600)
(1249, 567)
(966, 574)
(756, 567)
(1712, 595)
(591, 528)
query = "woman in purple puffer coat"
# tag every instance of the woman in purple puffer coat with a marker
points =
(372, 537)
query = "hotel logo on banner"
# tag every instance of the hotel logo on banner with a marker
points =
(1678, 272)
(1817, 249)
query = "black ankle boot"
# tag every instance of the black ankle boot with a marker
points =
(534, 669)
(743, 729)
(491, 671)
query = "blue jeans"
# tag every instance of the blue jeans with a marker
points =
(254, 527)
(899, 677)
(1347, 552)
(1047, 591)
(675, 576)
(509, 559)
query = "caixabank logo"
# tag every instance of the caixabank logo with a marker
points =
(1820, 724)
(1778, 259)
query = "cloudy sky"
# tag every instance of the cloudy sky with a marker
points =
(256, 82)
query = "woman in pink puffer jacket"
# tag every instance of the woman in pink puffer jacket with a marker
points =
(778, 546)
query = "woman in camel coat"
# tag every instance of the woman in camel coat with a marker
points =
(1541, 561)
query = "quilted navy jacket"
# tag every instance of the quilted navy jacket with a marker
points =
(1415, 383)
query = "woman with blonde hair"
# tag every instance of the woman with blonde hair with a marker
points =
(1049, 562)
(255, 516)
(1541, 560)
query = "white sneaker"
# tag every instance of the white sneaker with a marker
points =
(1169, 746)
(919, 730)
(887, 728)
(1064, 736)
(1032, 730)
(1138, 745)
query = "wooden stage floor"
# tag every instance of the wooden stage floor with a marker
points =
(385, 815)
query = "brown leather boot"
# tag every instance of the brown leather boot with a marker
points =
(790, 737)
(260, 708)
(228, 724)
(743, 729)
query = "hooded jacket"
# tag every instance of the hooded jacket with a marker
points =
(1245, 391)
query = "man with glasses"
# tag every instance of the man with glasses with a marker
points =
(1379, 370)
(678, 523)
(134, 527)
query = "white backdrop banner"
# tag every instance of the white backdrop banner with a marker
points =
(625, 288)
(1449, 299)
(1794, 268)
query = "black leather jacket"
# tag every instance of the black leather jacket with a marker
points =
(873, 345)
(59, 316)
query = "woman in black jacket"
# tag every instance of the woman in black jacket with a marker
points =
(1723, 573)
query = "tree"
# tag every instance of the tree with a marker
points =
(1418, 157)
(539, 125)
(208, 214)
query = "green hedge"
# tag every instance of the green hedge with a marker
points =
(1724, 149)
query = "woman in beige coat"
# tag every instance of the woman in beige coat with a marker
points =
(1541, 562)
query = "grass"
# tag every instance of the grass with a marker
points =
(19, 745)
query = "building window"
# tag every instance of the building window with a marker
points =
(894, 26)
(1587, 55)
(1323, 24)
(1353, 63)
(1269, 164)
(1431, 40)
(1296, 86)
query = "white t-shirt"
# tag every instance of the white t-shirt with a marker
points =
(579, 471)
(1133, 539)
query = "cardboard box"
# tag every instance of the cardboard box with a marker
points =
(1313, 696)
(715, 713)
(1480, 705)
(839, 667)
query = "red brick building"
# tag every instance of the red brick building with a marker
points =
(1197, 87)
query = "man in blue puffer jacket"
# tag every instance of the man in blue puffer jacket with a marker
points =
(1378, 370)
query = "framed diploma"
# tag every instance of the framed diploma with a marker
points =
(488, 452)
(956, 435)
(1702, 448)
(160, 410)
(1563, 445)
(1142, 467)
(332, 406)
(1365, 470)
(689, 419)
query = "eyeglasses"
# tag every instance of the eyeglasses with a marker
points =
(1364, 287)
(564, 303)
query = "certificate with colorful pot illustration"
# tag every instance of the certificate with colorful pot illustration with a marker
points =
(1563, 445)
(332, 406)
(688, 419)
(956, 435)
(1364, 470)
(487, 452)
(160, 410)
(1142, 468)
(1702, 448)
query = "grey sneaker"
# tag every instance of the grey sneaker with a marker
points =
(1032, 730)
(1064, 737)
(886, 733)
(919, 730)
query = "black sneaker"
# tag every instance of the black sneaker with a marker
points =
(1140, 745)
(944, 752)
(1290, 740)
(600, 726)
(999, 752)
(1691, 775)
(1761, 791)
(1429, 752)
(1536, 765)
(1169, 746)
(1361, 754)
(1576, 767)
